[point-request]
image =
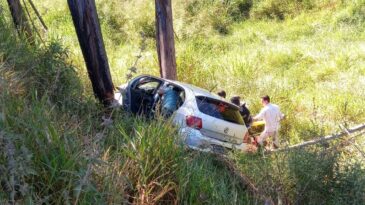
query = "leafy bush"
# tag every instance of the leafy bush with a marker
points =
(280, 9)
(353, 14)
(220, 15)
(239, 9)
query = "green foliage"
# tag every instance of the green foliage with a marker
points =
(313, 175)
(281, 9)
(353, 14)
(218, 15)
(239, 9)
(208, 183)
(56, 152)
(320, 175)
(152, 155)
(42, 69)
(53, 159)
(39, 90)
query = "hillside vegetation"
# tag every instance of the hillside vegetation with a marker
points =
(309, 55)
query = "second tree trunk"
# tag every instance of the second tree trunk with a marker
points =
(165, 39)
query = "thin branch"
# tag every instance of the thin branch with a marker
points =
(31, 21)
(38, 15)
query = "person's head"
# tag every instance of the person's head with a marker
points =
(236, 100)
(265, 100)
(222, 94)
(160, 91)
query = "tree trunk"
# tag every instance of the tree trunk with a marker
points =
(19, 19)
(165, 39)
(85, 19)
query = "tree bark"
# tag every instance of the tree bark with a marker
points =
(86, 22)
(19, 19)
(165, 39)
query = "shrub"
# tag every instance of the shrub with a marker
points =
(239, 9)
(280, 9)
(352, 14)
(220, 15)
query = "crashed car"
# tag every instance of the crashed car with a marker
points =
(205, 121)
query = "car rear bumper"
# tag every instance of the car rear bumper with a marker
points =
(196, 140)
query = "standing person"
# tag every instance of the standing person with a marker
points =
(272, 115)
(222, 93)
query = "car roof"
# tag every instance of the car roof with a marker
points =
(199, 91)
(196, 90)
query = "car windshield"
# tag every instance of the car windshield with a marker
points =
(219, 109)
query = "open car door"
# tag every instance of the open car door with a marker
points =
(141, 94)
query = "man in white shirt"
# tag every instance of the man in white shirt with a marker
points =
(271, 115)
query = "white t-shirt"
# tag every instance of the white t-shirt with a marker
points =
(271, 115)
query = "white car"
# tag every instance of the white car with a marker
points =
(206, 122)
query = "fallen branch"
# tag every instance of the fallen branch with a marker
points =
(244, 180)
(322, 139)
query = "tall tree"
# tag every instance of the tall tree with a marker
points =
(165, 39)
(86, 22)
(19, 18)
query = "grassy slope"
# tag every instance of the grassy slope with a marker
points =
(321, 49)
(312, 63)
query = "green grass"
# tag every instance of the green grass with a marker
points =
(308, 55)
(318, 46)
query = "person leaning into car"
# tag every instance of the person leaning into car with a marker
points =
(244, 111)
(272, 116)
(169, 97)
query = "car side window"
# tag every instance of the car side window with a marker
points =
(219, 109)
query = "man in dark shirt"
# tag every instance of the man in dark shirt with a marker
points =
(244, 111)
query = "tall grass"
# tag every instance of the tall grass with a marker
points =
(55, 148)
(320, 175)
